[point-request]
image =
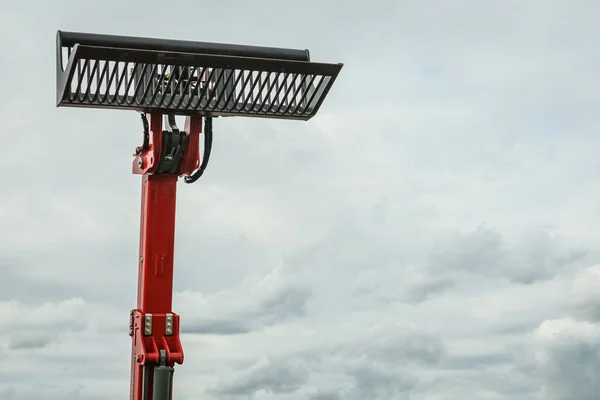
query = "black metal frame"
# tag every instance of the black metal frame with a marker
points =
(189, 78)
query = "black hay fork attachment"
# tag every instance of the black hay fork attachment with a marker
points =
(189, 78)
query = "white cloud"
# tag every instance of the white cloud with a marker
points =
(585, 293)
(430, 234)
(565, 358)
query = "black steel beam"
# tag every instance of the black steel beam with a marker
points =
(69, 39)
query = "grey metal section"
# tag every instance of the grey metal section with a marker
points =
(161, 389)
(163, 380)
(146, 374)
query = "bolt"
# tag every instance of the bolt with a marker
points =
(140, 162)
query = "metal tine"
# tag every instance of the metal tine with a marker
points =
(166, 85)
(135, 71)
(316, 90)
(224, 104)
(304, 94)
(255, 80)
(89, 83)
(126, 98)
(209, 89)
(104, 77)
(159, 86)
(240, 98)
(230, 96)
(188, 90)
(185, 88)
(257, 95)
(216, 92)
(179, 81)
(122, 77)
(97, 79)
(85, 73)
(78, 74)
(269, 101)
(79, 80)
(323, 89)
(111, 77)
(277, 96)
(300, 106)
(212, 94)
(260, 90)
(174, 84)
(287, 92)
(147, 83)
(296, 91)
(236, 104)
(191, 97)
(247, 90)
(205, 89)
(250, 93)
(293, 99)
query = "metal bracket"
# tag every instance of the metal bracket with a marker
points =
(131, 323)
(147, 324)
(174, 146)
(169, 325)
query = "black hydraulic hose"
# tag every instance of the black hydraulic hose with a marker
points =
(208, 135)
(146, 143)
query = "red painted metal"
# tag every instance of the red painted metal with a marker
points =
(151, 156)
(157, 240)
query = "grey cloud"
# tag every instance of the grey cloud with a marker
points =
(478, 361)
(445, 116)
(424, 287)
(8, 394)
(271, 376)
(563, 355)
(388, 271)
(233, 326)
(24, 342)
(28, 327)
(391, 349)
(286, 303)
(511, 328)
(380, 384)
(536, 256)
(321, 395)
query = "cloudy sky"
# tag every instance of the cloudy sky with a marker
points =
(433, 234)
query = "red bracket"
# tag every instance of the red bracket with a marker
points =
(154, 332)
(147, 161)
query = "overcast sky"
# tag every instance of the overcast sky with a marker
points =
(433, 234)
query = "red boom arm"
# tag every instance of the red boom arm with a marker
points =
(154, 327)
